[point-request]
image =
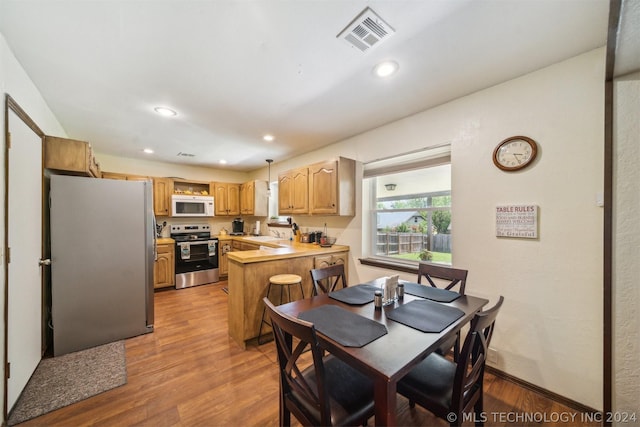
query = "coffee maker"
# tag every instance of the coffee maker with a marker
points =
(237, 227)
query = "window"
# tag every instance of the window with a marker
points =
(408, 200)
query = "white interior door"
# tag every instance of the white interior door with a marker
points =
(24, 322)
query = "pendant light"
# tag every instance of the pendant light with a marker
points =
(269, 181)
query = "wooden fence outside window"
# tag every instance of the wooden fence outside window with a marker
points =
(402, 243)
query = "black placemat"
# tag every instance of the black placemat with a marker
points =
(355, 295)
(429, 292)
(425, 316)
(343, 326)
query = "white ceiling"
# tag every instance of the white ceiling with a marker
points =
(235, 70)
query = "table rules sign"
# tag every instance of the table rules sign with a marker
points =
(517, 221)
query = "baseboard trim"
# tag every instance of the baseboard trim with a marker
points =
(544, 392)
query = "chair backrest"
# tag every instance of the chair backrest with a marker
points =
(305, 399)
(328, 279)
(469, 376)
(455, 276)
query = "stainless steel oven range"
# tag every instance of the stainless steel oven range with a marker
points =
(196, 255)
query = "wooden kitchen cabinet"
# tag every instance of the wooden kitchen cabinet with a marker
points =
(164, 267)
(192, 188)
(162, 190)
(223, 261)
(247, 201)
(323, 261)
(332, 187)
(125, 177)
(227, 198)
(293, 192)
(325, 188)
(253, 198)
(244, 246)
(70, 157)
(249, 279)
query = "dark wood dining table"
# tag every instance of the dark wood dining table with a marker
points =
(387, 359)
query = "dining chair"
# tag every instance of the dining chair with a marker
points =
(452, 277)
(455, 276)
(326, 393)
(328, 279)
(449, 389)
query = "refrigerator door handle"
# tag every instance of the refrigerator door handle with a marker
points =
(155, 240)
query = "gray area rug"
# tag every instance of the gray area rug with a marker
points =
(63, 380)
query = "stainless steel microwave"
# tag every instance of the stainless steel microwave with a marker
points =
(183, 205)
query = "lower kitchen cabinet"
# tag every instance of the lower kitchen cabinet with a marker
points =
(244, 246)
(164, 267)
(228, 245)
(223, 261)
(322, 261)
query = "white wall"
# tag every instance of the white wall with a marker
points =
(15, 82)
(626, 249)
(551, 326)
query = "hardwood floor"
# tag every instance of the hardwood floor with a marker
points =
(188, 372)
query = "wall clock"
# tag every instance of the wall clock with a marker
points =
(515, 153)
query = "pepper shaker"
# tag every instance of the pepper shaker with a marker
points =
(400, 291)
(377, 299)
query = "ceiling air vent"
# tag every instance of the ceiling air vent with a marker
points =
(181, 154)
(366, 31)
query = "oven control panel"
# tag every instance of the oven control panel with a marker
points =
(195, 228)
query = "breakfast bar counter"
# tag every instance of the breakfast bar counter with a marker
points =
(249, 273)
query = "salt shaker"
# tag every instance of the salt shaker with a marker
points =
(400, 290)
(377, 299)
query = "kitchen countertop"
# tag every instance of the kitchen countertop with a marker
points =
(280, 249)
(272, 249)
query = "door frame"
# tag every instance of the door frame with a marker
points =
(12, 105)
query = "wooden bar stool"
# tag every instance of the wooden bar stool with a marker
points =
(282, 281)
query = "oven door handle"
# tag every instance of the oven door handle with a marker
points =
(198, 242)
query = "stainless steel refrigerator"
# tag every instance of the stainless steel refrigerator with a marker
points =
(102, 255)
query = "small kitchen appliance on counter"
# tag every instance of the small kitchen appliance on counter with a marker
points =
(196, 255)
(237, 227)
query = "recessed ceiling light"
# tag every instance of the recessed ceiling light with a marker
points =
(268, 138)
(148, 150)
(223, 162)
(386, 68)
(164, 111)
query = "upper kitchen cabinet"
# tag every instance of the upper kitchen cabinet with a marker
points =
(70, 157)
(192, 188)
(162, 190)
(227, 198)
(293, 192)
(332, 187)
(253, 198)
(125, 177)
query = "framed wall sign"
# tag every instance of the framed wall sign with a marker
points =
(519, 221)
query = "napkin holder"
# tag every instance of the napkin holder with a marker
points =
(390, 290)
